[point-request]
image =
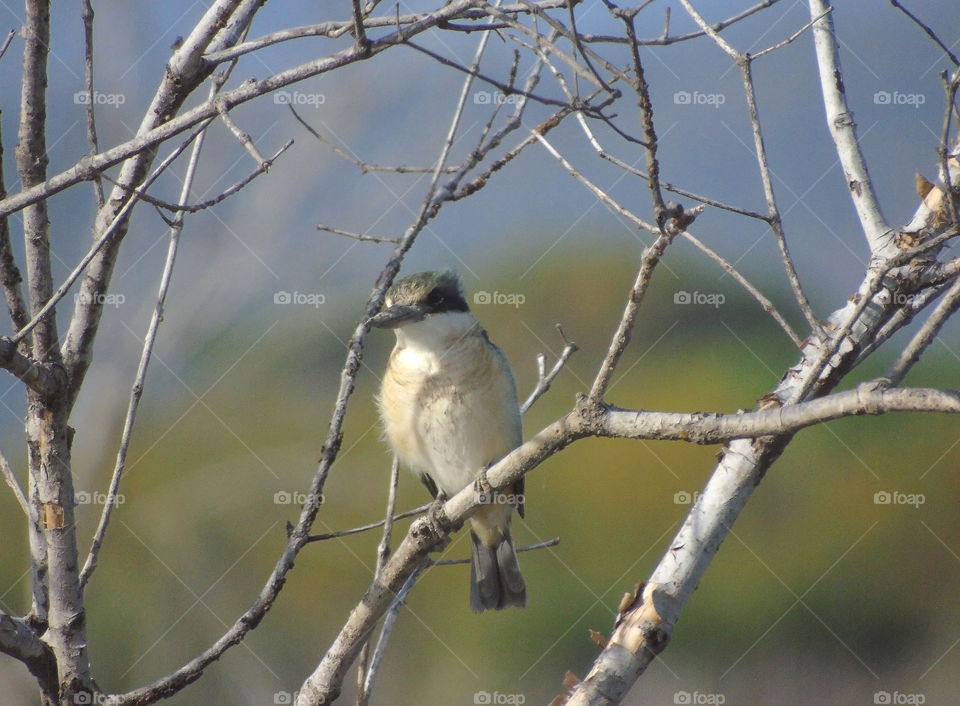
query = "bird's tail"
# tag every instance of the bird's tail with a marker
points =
(495, 580)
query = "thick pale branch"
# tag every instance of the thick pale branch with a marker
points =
(46, 379)
(844, 130)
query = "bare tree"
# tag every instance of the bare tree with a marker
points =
(910, 276)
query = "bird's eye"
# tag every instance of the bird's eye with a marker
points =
(435, 298)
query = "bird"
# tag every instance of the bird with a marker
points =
(448, 403)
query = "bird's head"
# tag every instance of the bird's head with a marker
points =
(417, 297)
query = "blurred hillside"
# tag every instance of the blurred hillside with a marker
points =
(819, 596)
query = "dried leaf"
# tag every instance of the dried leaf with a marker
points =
(598, 639)
(923, 186)
(570, 681)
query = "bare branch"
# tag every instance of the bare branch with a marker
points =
(136, 391)
(364, 528)
(240, 134)
(358, 236)
(11, 481)
(364, 167)
(19, 641)
(87, 16)
(789, 40)
(844, 130)
(31, 158)
(765, 303)
(774, 217)
(46, 379)
(930, 32)
(6, 42)
(545, 379)
(263, 167)
(926, 335)
(367, 672)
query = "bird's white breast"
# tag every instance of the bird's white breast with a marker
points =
(448, 400)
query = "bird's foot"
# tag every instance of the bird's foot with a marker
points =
(482, 488)
(435, 526)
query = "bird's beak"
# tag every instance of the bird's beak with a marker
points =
(397, 315)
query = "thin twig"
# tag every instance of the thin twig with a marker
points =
(365, 528)
(791, 39)
(926, 335)
(11, 481)
(136, 390)
(87, 16)
(366, 672)
(203, 205)
(527, 548)
(765, 303)
(239, 134)
(545, 379)
(358, 236)
(6, 42)
(930, 32)
(364, 167)
(774, 217)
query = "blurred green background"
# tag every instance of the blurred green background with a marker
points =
(820, 595)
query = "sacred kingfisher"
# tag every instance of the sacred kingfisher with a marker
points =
(449, 409)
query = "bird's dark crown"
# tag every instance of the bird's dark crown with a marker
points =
(433, 292)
